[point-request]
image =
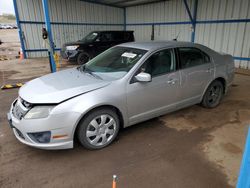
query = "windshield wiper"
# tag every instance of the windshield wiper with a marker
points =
(84, 68)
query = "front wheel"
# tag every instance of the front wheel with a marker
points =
(98, 129)
(83, 58)
(213, 95)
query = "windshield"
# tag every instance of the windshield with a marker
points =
(115, 62)
(90, 37)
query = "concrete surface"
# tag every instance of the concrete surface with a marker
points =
(193, 147)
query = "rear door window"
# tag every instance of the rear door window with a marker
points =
(190, 57)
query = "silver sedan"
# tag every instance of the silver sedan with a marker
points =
(124, 85)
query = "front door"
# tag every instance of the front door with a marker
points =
(150, 99)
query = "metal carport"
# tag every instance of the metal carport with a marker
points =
(221, 25)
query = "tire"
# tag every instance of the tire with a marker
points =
(98, 129)
(213, 95)
(83, 58)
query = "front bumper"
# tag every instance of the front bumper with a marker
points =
(60, 124)
(70, 55)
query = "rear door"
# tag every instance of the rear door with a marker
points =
(196, 69)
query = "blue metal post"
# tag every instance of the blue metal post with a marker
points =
(48, 28)
(244, 176)
(20, 32)
(194, 20)
(188, 10)
(124, 19)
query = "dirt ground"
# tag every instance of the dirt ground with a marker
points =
(11, 45)
(193, 147)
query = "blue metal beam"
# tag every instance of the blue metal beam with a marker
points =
(222, 21)
(40, 50)
(188, 10)
(124, 18)
(72, 23)
(242, 58)
(244, 176)
(139, 24)
(20, 32)
(159, 23)
(194, 20)
(48, 28)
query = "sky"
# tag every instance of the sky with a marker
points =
(6, 6)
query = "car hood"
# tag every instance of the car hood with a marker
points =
(57, 87)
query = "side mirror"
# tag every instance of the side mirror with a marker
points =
(143, 77)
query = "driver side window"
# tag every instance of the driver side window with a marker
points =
(161, 62)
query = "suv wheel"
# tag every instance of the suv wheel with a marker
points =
(213, 95)
(98, 129)
(83, 58)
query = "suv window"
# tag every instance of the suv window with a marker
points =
(128, 36)
(106, 37)
(190, 57)
(159, 63)
(118, 36)
(123, 36)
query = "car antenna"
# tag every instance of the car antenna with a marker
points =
(175, 39)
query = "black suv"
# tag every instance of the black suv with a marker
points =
(93, 44)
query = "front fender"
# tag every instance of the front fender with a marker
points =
(86, 102)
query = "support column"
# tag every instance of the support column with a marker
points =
(124, 19)
(48, 28)
(192, 18)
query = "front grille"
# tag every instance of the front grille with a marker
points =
(20, 108)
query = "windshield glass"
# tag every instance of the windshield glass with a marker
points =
(115, 62)
(90, 37)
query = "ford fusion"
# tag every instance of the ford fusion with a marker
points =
(124, 85)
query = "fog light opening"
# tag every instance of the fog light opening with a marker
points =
(40, 137)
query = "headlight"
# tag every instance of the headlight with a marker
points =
(38, 112)
(72, 47)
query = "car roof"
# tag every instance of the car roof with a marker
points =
(154, 45)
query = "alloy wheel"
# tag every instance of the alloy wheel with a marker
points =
(214, 94)
(101, 130)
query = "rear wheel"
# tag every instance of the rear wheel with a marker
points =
(98, 129)
(213, 95)
(83, 58)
